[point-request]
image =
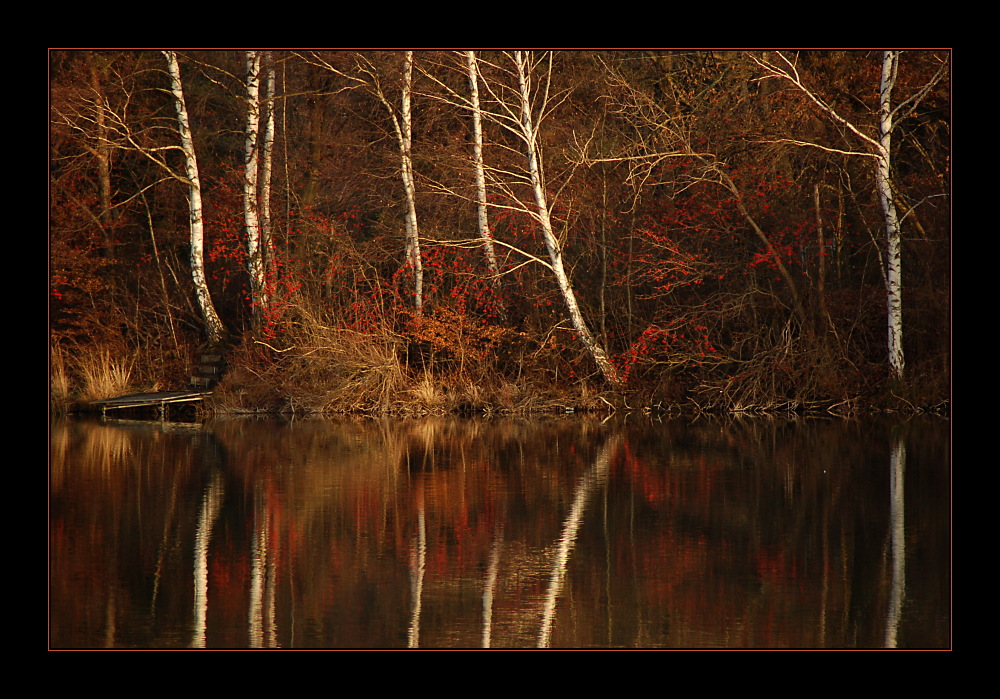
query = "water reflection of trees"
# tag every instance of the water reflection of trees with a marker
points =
(123, 505)
(756, 534)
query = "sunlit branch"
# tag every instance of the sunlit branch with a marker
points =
(818, 146)
(472, 243)
(791, 75)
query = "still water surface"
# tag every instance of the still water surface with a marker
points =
(462, 533)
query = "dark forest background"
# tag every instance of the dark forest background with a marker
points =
(722, 234)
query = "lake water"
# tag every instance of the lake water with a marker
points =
(567, 532)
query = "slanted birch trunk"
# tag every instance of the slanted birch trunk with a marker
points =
(529, 136)
(213, 325)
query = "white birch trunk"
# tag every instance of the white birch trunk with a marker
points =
(529, 135)
(882, 151)
(213, 325)
(405, 133)
(258, 572)
(893, 267)
(402, 124)
(266, 235)
(477, 158)
(251, 215)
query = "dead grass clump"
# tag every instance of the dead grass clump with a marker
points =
(314, 369)
(360, 373)
(59, 380)
(429, 393)
(101, 374)
(105, 376)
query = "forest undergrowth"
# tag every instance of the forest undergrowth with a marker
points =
(447, 362)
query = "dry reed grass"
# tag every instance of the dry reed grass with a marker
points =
(60, 384)
(87, 376)
(103, 375)
(315, 368)
(429, 393)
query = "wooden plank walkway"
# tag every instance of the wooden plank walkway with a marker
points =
(160, 401)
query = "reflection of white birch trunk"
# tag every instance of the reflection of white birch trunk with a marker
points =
(213, 325)
(210, 506)
(258, 573)
(897, 466)
(594, 478)
(270, 598)
(529, 136)
(488, 590)
(418, 559)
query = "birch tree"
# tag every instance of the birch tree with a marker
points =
(883, 181)
(519, 108)
(404, 133)
(482, 213)
(470, 102)
(877, 146)
(114, 127)
(267, 152)
(251, 214)
(528, 133)
(257, 179)
(368, 77)
(213, 325)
